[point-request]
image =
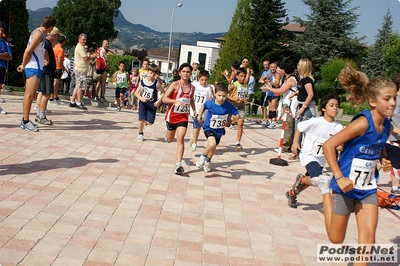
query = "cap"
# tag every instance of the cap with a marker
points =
(195, 62)
(55, 31)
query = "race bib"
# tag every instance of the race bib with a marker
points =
(241, 93)
(121, 77)
(218, 121)
(147, 93)
(199, 97)
(362, 172)
(182, 110)
(318, 152)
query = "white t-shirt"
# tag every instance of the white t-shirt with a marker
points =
(201, 95)
(317, 130)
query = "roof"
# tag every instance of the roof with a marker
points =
(294, 27)
(163, 52)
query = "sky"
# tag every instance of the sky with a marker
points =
(210, 16)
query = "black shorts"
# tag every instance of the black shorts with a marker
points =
(270, 98)
(209, 133)
(264, 100)
(46, 85)
(393, 154)
(3, 73)
(101, 70)
(58, 74)
(119, 91)
(172, 127)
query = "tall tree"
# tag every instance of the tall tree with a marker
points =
(267, 20)
(391, 55)
(92, 17)
(374, 64)
(15, 17)
(237, 41)
(329, 32)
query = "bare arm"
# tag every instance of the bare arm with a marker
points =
(285, 87)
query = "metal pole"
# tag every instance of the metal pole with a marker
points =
(170, 39)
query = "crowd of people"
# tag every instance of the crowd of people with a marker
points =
(354, 153)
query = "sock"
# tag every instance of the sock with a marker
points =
(42, 114)
(140, 133)
(78, 103)
(324, 190)
(237, 142)
(57, 98)
(395, 187)
(208, 160)
(178, 164)
(51, 100)
(25, 121)
(72, 102)
(38, 112)
(203, 155)
(291, 193)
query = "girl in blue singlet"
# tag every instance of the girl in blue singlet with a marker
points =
(355, 174)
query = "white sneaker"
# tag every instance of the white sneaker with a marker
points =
(3, 112)
(207, 167)
(200, 162)
(276, 149)
(194, 147)
(2, 100)
(140, 137)
(179, 169)
(321, 181)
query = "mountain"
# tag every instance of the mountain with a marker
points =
(134, 36)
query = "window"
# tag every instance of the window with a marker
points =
(202, 60)
(189, 57)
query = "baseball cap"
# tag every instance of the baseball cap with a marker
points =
(196, 62)
(55, 31)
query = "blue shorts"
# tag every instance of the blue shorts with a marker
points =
(147, 113)
(29, 72)
(313, 169)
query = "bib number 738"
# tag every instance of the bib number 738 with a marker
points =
(363, 174)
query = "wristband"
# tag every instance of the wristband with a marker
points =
(338, 177)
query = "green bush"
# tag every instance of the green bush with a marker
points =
(114, 59)
(349, 109)
(330, 71)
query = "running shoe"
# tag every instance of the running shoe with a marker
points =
(271, 126)
(140, 137)
(3, 112)
(396, 191)
(81, 106)
(298, 186)
(238, 147)
(72, 105)
(193, 146)
(29, 126)
(2, 100)
(45, 121)
(179, 169)
(207, 167)
(292, 199)
(321, 181)
(200, 162)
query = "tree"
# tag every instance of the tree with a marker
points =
(237, 41)
(92, 17)
(329, 33)
(374, 64)
(15, 16)
(267, 20)
(391, 55)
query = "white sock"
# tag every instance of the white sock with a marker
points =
(324, 190)
(395, 187)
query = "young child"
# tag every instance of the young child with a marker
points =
(238, 97)
(147, 95)
(317, 130)
(179, 97)
(122, 82)
(203, 93)
(355, 174)
(134, 77)
(162, 107)
(214, 123)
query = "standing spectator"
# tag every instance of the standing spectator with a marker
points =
(264, 79)
(80, 69)
(101, 70)
(32, 64)
(59, 55)
(46, 85)
(66, 76)
(72, 75)
(92, 75)
(250, 95)
(5, 56)
(274, 79)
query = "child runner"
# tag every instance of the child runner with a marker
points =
(147, 97)
(214, 123)
(317, 130)
(179, 97)
(355, 174)
(121, 77)
(134, 77)
(238, 96)
(203, 93)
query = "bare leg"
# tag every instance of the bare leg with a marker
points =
(180, 148)
(31, 86)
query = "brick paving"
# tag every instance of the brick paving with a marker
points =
(85, 192)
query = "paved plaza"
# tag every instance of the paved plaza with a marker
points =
(85, 191)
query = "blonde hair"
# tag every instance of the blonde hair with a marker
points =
(360, 88)
(305, 69)
(135, 71)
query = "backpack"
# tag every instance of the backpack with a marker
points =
(386, 199)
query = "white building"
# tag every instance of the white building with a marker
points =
(205, 52)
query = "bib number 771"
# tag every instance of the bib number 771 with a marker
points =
(362, 173)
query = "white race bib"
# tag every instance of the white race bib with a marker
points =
(218, 121)
(147, 93)
(362, 172)
(200, 97)
(121, 77)
(318, 152)
(182, 110)
(241, 93)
